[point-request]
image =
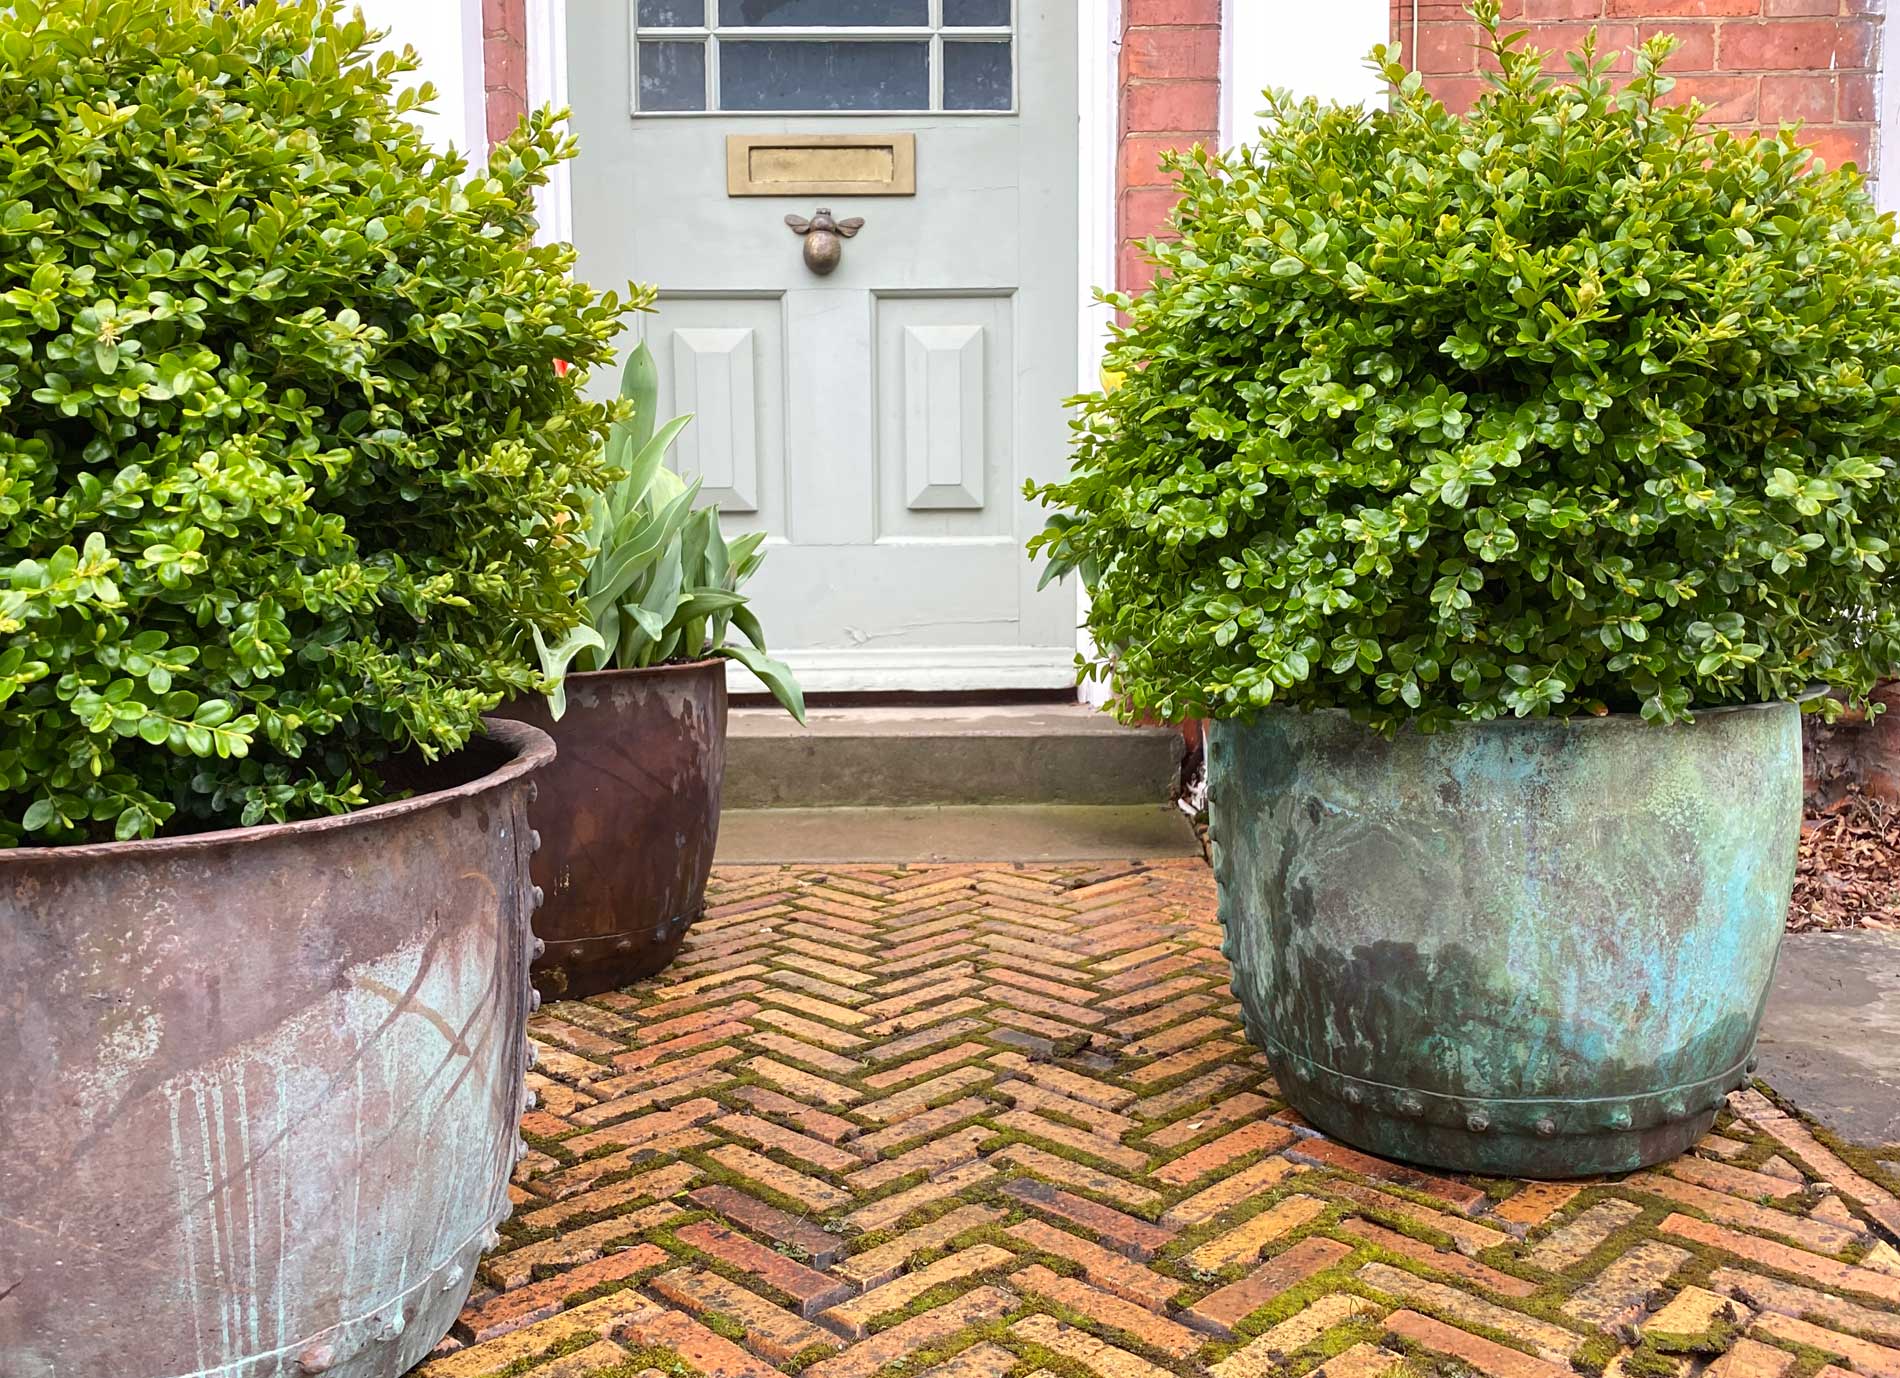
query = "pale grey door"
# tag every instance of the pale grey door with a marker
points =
(877, 423)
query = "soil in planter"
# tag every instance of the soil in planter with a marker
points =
(1850, 867)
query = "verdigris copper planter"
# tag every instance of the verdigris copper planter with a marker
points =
(1534, 947)
(629, 814)
(261, 1086)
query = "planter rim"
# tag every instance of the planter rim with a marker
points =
(1510, 721)
(671, 667)
(530, 749)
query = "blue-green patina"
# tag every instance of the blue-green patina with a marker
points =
(1536, 947)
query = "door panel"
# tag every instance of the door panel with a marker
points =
(877, 423)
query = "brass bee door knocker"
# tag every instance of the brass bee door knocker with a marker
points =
(824, 238)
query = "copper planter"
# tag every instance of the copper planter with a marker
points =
(261, 1085)
(629, 815)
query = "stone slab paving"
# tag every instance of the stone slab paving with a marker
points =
(976, 1121)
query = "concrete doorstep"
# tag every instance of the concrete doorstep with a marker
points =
(941, 833)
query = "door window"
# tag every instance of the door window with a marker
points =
(824, 56)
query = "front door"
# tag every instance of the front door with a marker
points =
(876, 420)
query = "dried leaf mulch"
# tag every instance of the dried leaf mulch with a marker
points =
(1849, 875)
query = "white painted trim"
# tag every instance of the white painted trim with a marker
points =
(1311, 50)
(1886, 154)
(1098, 98)
(547, 85)
(447, 37)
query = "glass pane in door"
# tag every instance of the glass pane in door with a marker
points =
(672, 76)
(976, 76)
(790, 75)
(814, 13)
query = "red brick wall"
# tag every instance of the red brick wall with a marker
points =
(1755, 63)
(505, 65)
(1170, 98)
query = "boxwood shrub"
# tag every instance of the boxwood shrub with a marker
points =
(1570, 405)
(284, 456)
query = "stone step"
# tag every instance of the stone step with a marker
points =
(904, 757)
(931, 833)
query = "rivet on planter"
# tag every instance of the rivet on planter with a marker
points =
(1675, 1108)
(534, 1058)
(534, 999)
(536, 896)
(534, 791)
(521, 1149)
(1411, 1107)
(1546, 1128)
(317, 1359)
(538, 948)
(1620, 1118)
(1477, 1122)
(1352, 1095)
(534, 839)
(1754, 1061)
(490, 1240)
(529, 1100)
(452, 1278)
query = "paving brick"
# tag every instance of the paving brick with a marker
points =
(852, 1318)
(1534, 1202)
(1826, 1271)
(1244, 1243)
(1224, 1195)
(1193, 1166)
(1694, 1319)
(599, 1317)
(1265, 1357)
(1620, 1293)
(1468, 1235)
(1325, 1153)
(771, 1332)
(877, 1266)
(1790, 1299)
(1818, 1235)
(800, 1187)
(890, 1347)
(1106, 1270)
(1575, 1240)
(1221, 1310)
(1078, 1346)
(891, 1209)
(1121, 1232)
(1105, 1308)
(1864, 1356)
(707, 1353)
(1487, 1356)
(811, 1290)
(1753, 1359)
(1552, 1342)
(512, 1310)
(1078, 1176)
(820, 1248)
(1457, 1265)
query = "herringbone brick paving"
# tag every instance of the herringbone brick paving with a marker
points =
(975, 1121)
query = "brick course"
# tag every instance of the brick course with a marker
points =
(1755, 63)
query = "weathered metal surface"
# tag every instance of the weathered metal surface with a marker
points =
(1526, 947)
(260, 1087)
(628, 816)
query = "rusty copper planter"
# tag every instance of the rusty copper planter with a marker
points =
(630, 814)
(260, 1086)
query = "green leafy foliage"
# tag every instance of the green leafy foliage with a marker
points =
(662, 582)
(282, 447)
(1568, 406)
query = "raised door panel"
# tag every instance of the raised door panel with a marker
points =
(722, 360)
(945, 409)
